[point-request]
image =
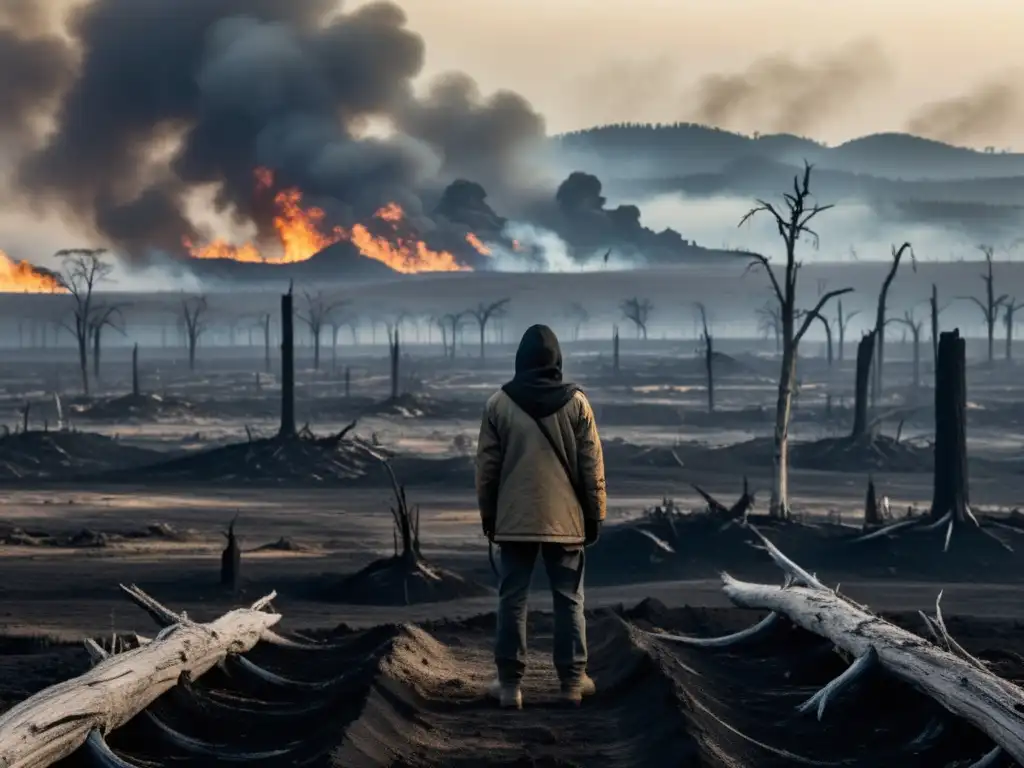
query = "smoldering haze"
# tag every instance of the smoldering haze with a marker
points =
(244, 83)
(779, 94)
(982, 114)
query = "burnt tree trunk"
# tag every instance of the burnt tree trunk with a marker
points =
(231, 560)
(395, 351)
(709, 356)
(266, 345)
(287, 367)
(934, 307)
(950, 482)
(615, 349)
(872, 514)
(96, 353)
(865, 355)
(136, 391)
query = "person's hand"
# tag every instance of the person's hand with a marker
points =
(488, 526)
(591, 530)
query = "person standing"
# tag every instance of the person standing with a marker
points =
(540, 486)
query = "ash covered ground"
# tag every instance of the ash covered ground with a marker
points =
(140, 489)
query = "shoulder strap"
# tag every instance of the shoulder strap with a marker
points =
(564, 462)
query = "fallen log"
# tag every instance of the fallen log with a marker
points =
(58, 720)
(960, 685)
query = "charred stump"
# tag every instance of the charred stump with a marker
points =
(872, 512)
(287, 366)
(231, 559)
(865, 354)
(395, 352)
(950, 489)
(136, 391)
(615, 348)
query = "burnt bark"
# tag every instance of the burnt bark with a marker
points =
(615, 349)
(287, 367)
(865, 355)
(950, 489)
(136, 390)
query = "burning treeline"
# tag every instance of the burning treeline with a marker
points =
(302, 234)
(22, 277)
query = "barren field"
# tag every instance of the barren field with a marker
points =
(119, 489)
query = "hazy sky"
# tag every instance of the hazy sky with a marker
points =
(588, 61)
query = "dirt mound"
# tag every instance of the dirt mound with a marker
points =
(135, 408)
(66, 455)
(304, 458)
(683, 545)
(833, 454)
(402, 695)
(393, 581)
(88, 537)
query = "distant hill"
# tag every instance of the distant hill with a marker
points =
(657, 151)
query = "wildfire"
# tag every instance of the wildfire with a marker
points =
(475, 241)
(301, 235)
(22, 277)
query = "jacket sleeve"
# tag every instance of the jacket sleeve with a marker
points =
(590, 462)
(488, 468)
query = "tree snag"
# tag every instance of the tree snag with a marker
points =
(865, 352)
(637, 311)
(914, 326)
(842, 321)
(1009, 311)
(318, 312)
(990, 307)
(103, 317)
(793, 223)
(483, 314)
(83, 270)
(950, 482)
(577, 314)
(231, 558)
(615, 348)
(193, 316)
(709, 356)
(395, 356)
(136, 389)
(880, 321)
(287, 367)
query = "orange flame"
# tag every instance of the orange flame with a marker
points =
(299, 231)
(22, 277)
(475, 241)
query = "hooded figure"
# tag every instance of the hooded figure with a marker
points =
(541, 490)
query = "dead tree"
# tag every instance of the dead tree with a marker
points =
(615, 348)
(483, 314)
(914, 326)
(769, 323)
(136, 389)
(877, 380)
(872, 512)
(83, 269)
(1010, 308)
(105, 316)
(264, 322)
(407, 524)
(318, 312)
(990, 307)
(935, 311)
(193, 316)
(793, 223)
(577, 314)
(287, 367)
(950, 482)
(394, 354)
(828, 334)
(865, 353)
(638, 311)
(453, 321)
(231, 559)
(709, 356)
(842, 321)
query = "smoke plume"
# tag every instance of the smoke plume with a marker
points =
(980, 115)
(174, 96)
(777, 94)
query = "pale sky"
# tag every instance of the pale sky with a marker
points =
(582, 62)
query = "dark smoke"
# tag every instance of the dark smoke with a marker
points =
(777, 94)
(248, 83)
(979, 115)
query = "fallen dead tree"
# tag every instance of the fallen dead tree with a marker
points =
(943, 671)
(58, 720)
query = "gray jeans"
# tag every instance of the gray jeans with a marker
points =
(564, 567)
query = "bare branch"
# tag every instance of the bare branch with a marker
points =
(816, 311)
